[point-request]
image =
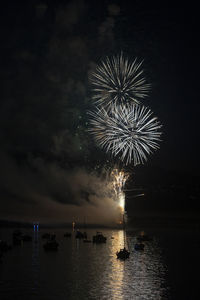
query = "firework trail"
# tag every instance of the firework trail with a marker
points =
(118, 81)
(116, 179)
(129, 132)
(119, 179)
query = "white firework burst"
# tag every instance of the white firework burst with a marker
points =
(129, 132)
(118, 81)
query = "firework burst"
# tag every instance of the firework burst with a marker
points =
(118, 81)
(128, 132)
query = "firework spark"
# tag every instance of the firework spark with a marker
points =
(129, 132)
(117, 81)
(119, 179)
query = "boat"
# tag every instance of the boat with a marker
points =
(17, 232)
(46, 235)
(17, 241)
(51, 245)
(123, 253)
(17, 237)
(49, 236)
(67, 234)
(80, 235)
(139, 246)
(99, 238)
(87, 241)
(4, 246)
(26, 238)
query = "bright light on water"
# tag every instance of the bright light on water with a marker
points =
(86, 270)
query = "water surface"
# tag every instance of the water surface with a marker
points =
(89, 271)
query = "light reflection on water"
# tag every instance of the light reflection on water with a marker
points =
(83, 270)
(142, 276)
(35, 262)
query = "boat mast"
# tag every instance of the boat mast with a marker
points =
(124, 230)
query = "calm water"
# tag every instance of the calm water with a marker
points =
(166, 269)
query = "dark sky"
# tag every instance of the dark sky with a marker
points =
(48, 49)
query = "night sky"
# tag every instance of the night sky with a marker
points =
(48, 49)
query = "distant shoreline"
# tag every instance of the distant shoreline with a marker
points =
(13, 224)
(150, 222)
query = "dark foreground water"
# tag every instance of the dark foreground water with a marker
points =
(166, 269)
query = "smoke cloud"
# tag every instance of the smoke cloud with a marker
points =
(44, 137)
(46, 192)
